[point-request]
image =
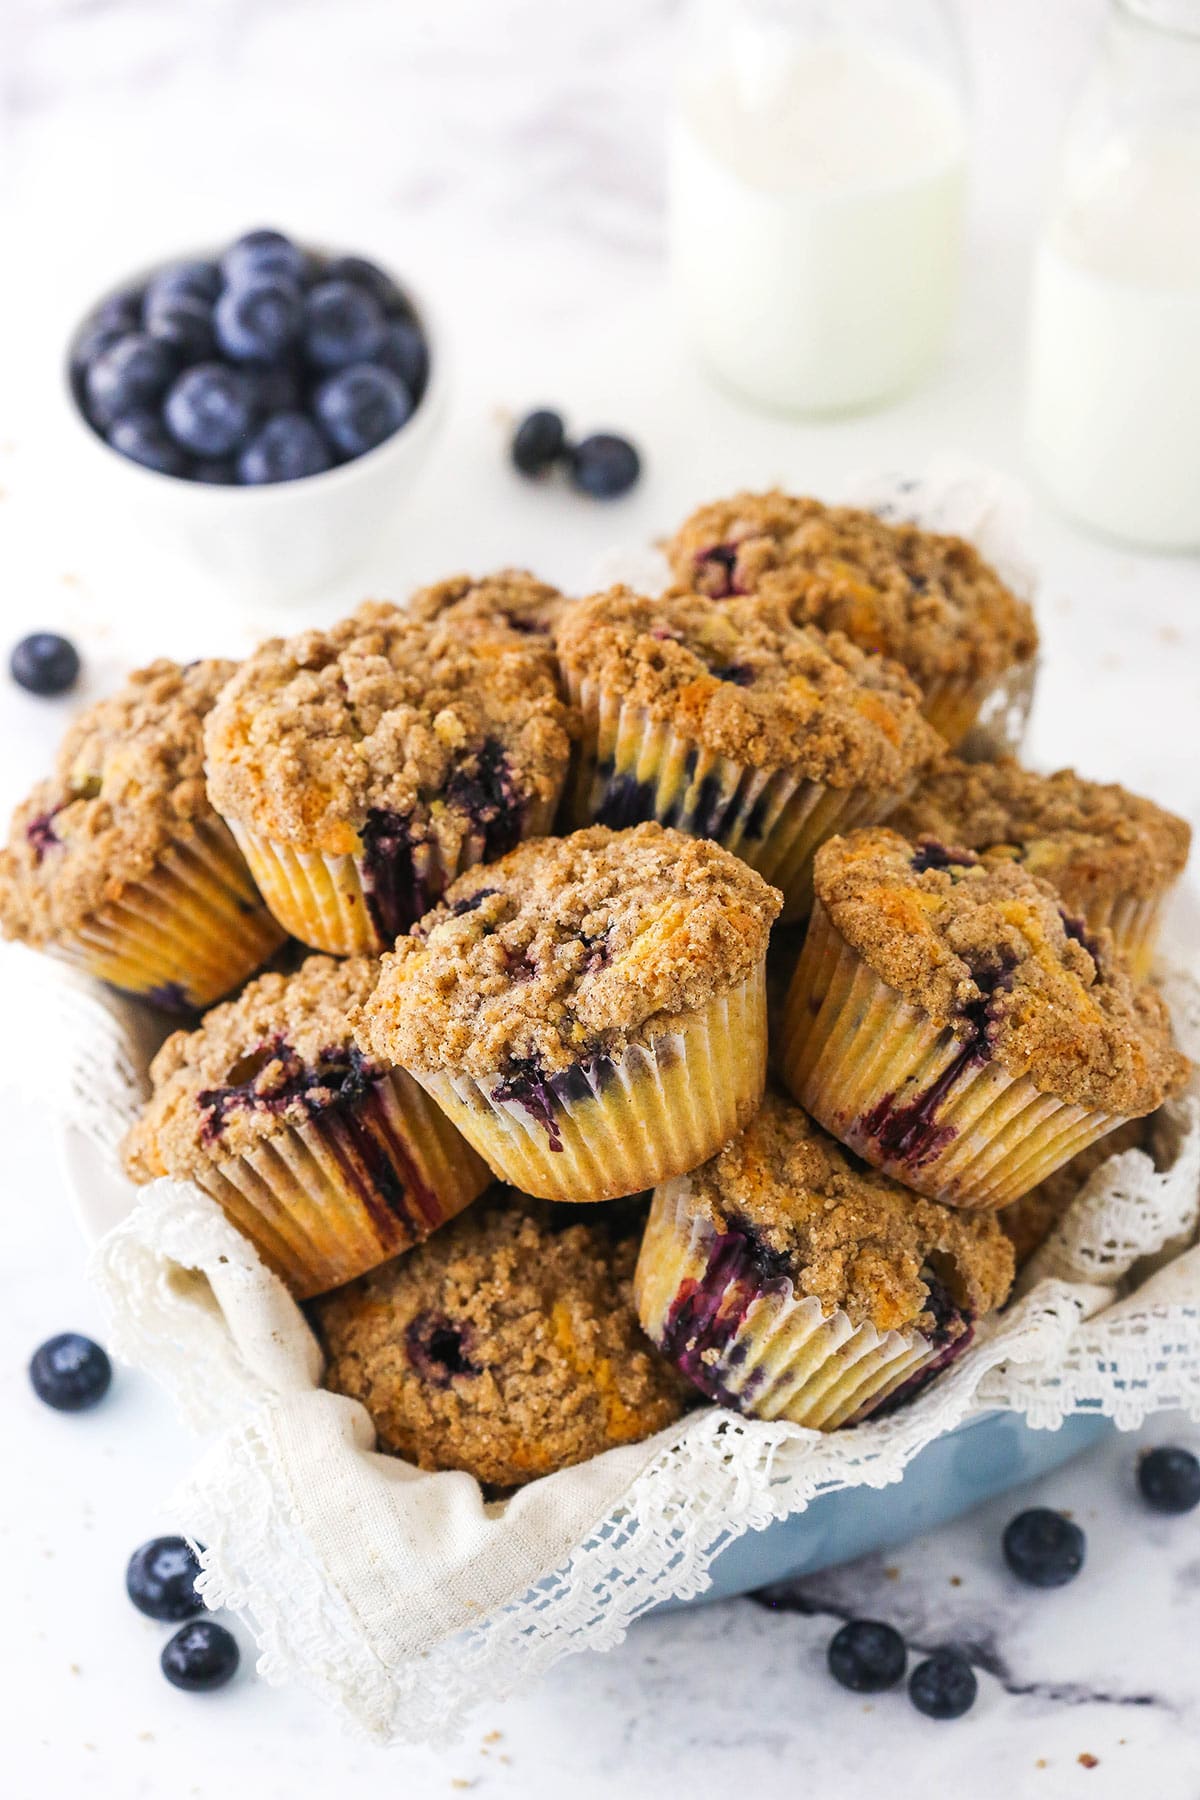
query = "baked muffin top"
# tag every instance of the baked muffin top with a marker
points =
(511, 597)
(128, 780)
(504, 1346)
(1028, 1222)
(989, 951)
(745, 681)
(567, 949)
(277, 1055)
(1086, 838)
(434, 722)
(852, 1238)
(927, 600)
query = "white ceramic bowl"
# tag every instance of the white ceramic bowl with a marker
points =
(273, 542)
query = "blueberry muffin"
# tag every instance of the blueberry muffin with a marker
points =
(789, 1283)
(328, 1163)
(589, 1011)
(1028, 1222)
(1113, 856)
(506, 1347)
(511, 597)
(361, 768)
(927, 600)
(117, 862)
(735, 724)
(955, 1026)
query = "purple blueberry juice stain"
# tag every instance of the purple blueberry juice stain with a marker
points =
(487, 796)
(438, 1349)
(40, 833)
(545, 1097)
(737, 674)
(707, 1314)
(169, 996)
(395, 894)
(624, 800)
(340, 1078)
(471, 902)
(716, 571)
(929, 854)
(1076, 929)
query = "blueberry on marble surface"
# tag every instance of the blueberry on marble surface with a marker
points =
(201, 1656)
(1169, 1479)
(160, 1579)
(70, 1372)
(361, 406)
(943, 1686)
(44, 664)
(210, 410)
(867, 1656)
(1044, 1548)
(538, 441)
(604, 465)
(288, 447)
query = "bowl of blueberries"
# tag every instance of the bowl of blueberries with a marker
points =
(261, 409)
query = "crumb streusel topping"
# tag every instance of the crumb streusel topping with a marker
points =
(128, 780)
(1087, 838)
(745, 681)
(511, 597)
(989, 951)
(929, 601)
(282, 1051)
(566, 949)
(852, 1238)
(505, 1346)
(384, 714)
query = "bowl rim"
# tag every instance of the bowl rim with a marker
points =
(271, 492)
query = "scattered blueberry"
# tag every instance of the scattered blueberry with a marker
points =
(361, 406)
(45, 664)
(70, 1372)
(1169, 1479)
(605, 466)
(257, 322)
(131, 374)
(363, 274)
(201, 1656)
(142, 438)
(194, 280)
(264, 253)
(538, 441)
(1043, 1548)
(406, 353)
(184, 324)
(160, 1579)
(210, 410)
(867, 1656)
(943, 1686)
(215, 471)
(287, 447)
(342, 325)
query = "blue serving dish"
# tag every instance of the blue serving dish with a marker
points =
(983, 1457)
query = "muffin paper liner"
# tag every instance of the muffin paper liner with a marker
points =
(616, 1125)
(630, 766)
(337, 903)
(910, 1097)
(191, 931)
(985, 719)
(1135, 921)
(746, 1339)
(354, 1185)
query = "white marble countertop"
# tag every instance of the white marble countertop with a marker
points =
(508, 153)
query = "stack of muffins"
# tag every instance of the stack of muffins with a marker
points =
(510, 1128)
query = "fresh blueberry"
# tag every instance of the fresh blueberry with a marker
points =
(342, 325)
(160, 1579)
(264, 253)
(1043, 1548)
(45, 664)
(604, 466)
(70, 1372)
(201, 1656)
(363, 274)
(867, 1656)
(260, 319)
(286, 448)
(192, 280)
(538, 441)
(90, 343)
(406, 353)
(120, 312)
(276, 389)
(142, 437)
(210, 410)
(130, 375)
(361, 406)
(215, 471)
(184, 323)
(943, 1686)
(1169, 1479)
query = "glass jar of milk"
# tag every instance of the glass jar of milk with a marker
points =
(817, 187)
(1114, 402)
